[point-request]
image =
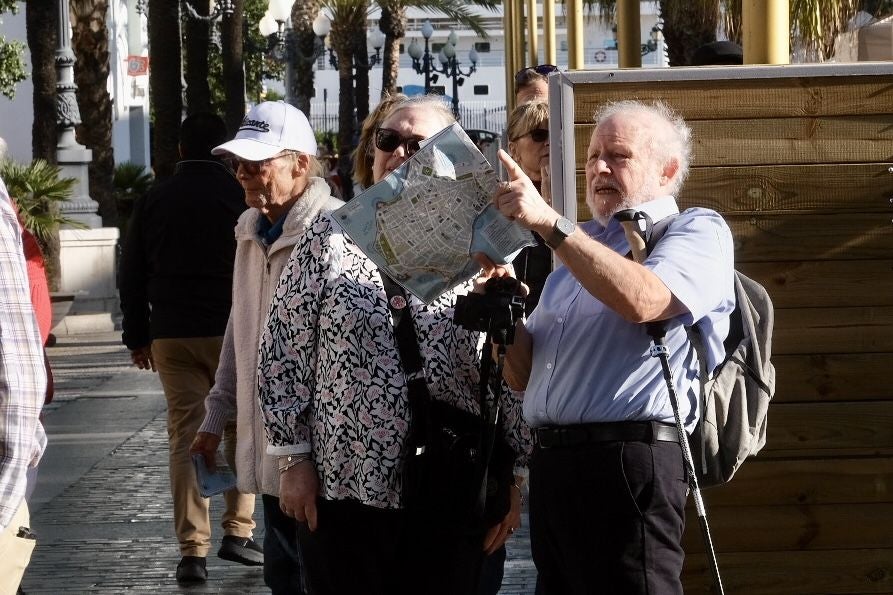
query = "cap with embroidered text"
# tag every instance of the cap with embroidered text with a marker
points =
(270, 128)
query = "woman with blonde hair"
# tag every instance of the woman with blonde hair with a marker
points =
(365, 151)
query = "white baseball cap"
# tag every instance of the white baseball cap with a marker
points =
(269, 128)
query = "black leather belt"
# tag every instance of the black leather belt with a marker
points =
(626, 431)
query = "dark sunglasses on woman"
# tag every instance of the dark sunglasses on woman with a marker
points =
(388, 140)
(537, 135)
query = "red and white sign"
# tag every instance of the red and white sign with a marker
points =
(137, 65)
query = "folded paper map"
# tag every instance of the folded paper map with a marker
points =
(422, 223)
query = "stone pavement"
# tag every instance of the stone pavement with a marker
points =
(102, 507)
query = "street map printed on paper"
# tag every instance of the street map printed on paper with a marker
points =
(423, 221)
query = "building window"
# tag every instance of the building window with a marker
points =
(482, 89)
(562, 45)
(402, 49)
(438, 90)
(482, 46)
(436, 47)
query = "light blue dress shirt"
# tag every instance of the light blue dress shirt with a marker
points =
(591, 365)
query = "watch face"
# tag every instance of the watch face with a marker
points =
(565, 226)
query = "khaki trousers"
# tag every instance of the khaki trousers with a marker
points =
(15, 551)
(186, 368)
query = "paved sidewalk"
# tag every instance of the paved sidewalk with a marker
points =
(102, 507)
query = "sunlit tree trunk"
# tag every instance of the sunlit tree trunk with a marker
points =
(302, 16)
(90, 44)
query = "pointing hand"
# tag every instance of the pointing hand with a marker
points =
(519, 200)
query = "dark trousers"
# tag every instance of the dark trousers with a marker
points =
(607, 518)
(362, 549)
(492, 573)
(283, 566)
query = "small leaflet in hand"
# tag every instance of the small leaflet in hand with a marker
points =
(422, 223)
(209, 483)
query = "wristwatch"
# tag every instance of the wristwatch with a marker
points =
(563, 228)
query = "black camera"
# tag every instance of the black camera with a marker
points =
(493, 312)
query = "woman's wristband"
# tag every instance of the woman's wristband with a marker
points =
(286, 462)
(520, 493)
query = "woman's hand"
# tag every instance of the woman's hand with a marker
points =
(298, 489)
(498, 534)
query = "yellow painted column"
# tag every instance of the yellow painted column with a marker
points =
(629, 34)
(533, 49)
(574, 16)
(766, 31)
(518, 32)
(509, 41)
(550, 49)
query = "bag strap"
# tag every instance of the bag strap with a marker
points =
(411, 358)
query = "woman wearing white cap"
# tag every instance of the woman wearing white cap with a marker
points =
(274, 158)
(337, 408)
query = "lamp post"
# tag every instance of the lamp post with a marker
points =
(423, 63)
(224, 8)
(72, 157)
(654, 39)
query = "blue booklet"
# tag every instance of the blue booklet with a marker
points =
(221, 480)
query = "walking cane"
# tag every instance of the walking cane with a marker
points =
(637, 236)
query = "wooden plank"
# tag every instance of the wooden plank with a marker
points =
(825, 283)
(807, 189)
(779, 141)
(828, 572)
(762, 238)
(833, 330)
(832, 377)
(753, 98)
(802, 527)
(819, 429)
(768, 237)
(834, 187)
(867, 480)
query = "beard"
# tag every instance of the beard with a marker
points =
(603, 207)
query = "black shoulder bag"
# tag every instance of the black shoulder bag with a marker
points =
(458, 465)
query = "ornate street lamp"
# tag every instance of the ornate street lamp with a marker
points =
(655, 37)
(423, 63)
(73, 157)
(224, 8)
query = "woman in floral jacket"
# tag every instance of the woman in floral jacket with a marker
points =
(337, 411)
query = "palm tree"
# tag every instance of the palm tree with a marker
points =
(232, 48)
(164, 80)
(90, 44)
(302, 15)
(688, 24)
(393, 25)
(196, 39)
(815, 24)
(348, 23)
(42, 45)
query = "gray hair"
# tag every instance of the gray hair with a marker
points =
(671, 138)
(436, 103)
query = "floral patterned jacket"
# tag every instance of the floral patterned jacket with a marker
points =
(330, 379)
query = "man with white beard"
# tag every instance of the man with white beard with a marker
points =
(607, 482)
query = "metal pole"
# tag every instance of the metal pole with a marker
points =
(510, 69)
(766, 31)
(532, 34)
(454, 64)
(574, 18)
(426, 64)
(549, 47)
(629, 35)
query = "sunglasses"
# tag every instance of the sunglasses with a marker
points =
(253, 166)
(523, 75)
(388, 140)
(537, 135)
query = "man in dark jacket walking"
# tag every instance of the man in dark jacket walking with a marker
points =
(176, 291)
